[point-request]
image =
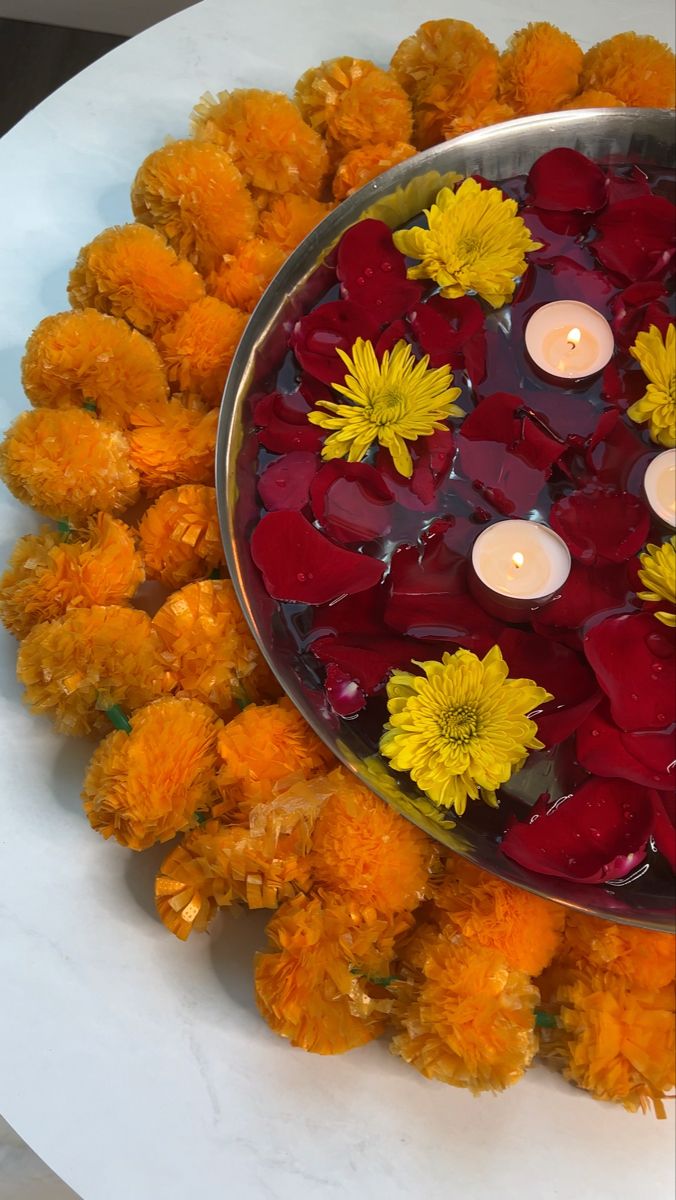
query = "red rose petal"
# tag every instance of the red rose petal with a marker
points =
(286, 482)
(635, 238)
(372, 272)
(643, 757)
(635, 309)
(664, 830)
(368, 661)
(615, 456)
(280, 434)
(452, 331)
(634, 658)
(627, 187)
(558, 669)
(586, 592)
(351, 501)
(432, 457)
(498, 445)
(563, 180)
(554, 231)
(601, 526)
(398, 331)
(573, 282)
(334, 326)
(343, 694)
(299, 564)
(598, 834)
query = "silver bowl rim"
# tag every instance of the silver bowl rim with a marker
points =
(302, 262)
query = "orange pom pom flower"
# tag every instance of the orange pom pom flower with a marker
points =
(288, 219)
(266, 136)
(466, 1018)
(193, 193)
(131, 271)
(362, 165)
(352, 102)
(210, 648)
(642, 957)
(525, 929)
(179, 536)
(314, 989)
(262, 748)
(91, 659)
(51, 572)
(68, 465)
(540, 69)
(147, 785)
(172, 446)
(243, 277)
(78, 358)
(198, 348)
(636, 68)
(365, 852)
(591, 98)
(447, 67)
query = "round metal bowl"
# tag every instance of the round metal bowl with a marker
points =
(609, 135)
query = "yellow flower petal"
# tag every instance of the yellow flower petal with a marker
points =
(657, 356)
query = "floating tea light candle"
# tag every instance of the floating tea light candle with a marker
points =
(517, 566)
(569, 340)
(659, 485)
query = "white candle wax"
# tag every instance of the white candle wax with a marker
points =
(659, 485)
(521, 560)
(569, 340)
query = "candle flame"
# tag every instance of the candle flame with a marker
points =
(574, 337)
(518, 559)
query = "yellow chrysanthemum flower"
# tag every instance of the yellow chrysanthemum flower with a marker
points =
(475, 242)
(461, 728)
(658, 573)
(393, 402)
(657, 356)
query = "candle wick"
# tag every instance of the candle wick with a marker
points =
(574, 337)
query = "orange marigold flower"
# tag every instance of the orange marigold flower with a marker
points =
(173, 446)
(266, 137)
(592, 98)
(131, 271)
(183, 893)
(50, 572)
(193, 193)
(492, 114)
(523, 928)
(261, 748)
(352, 101)
(68, 465)
(145, 786)
(180, 537)
(447, 67)
(636, 68)
(363, 850)
(316, 988)
(87, 661)
(362, 165)
(198, 348)
(210, 648)
(78, 358)
(470, 1020)
(289, 219)
(243, 277)
(643, 957)
(614, 1040)
(540, 69)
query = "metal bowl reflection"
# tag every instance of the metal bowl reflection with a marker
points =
(620, 135)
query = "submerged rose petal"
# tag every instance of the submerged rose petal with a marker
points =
(299, 564)
(561, 672)
(634, 658)
(283, 427)
(343, 694)
(336, 325)
(372, 272)
(635, 309)
(627, 187)
(368, 660)
(510, 420)
(452, 331)
(554, 232)
(635, 238)
(573, 282)
(586, 592)
(563, 180)
(598, 834)
(615, 453)
(351, 501)
(286, 482)
(498, 446)
(432, 457)
(601, 526)
(643, 757)
(664, 830)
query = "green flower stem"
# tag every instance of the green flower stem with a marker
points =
(545, 1020)
(117, 718)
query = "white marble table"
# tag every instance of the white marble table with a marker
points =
(135, 1066)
